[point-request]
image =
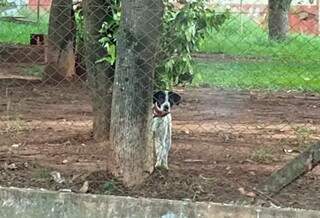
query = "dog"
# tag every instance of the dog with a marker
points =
(163, 102)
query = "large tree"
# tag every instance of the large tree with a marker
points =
(278, 21)
(99, 72)
(61, 41)
(131, 139)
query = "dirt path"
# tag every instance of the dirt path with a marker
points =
(223, 141)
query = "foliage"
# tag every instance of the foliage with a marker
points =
(109, 29)
(264, 75)
(263, 155)
(112, 186)
(253, 62)
(183, 30)
(5, 3)
(79, 25)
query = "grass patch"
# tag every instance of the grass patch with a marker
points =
(273, 75)
(112, 186)
(263, 156)
(34, 70)
(303, 136)
(16, 125)
(290, 65)
(41, 174)
(19, 33)
(15, 33)
(254, 41)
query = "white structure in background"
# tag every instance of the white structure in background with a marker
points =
(256, 2)
(19, 2)
(17, 5)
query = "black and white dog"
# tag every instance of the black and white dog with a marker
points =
(163, 101)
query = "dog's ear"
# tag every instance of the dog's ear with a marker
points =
(156, 96)
(174, 98)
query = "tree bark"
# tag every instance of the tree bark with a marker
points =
(61, 38)
(99, 73)
(80, 65)
(278, 20)
(291, 171)
(131, 137)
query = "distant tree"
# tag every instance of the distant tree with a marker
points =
(278, 21)
(61, 41)
(99, 72)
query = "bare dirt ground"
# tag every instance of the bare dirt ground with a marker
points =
(223, 142)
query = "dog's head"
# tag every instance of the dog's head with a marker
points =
(164, 100)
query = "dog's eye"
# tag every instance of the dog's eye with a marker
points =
(159, 96)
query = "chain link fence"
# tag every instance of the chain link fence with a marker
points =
(250, 99)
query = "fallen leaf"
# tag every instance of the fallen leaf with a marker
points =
(12, 166)
(85, 187)
(252, 173)
(65, 161)
(25, 164)
(57, 177)
(16, 145)
(242, 191)
(248, 194)
(288, 151)
(187, 131)
(251, 194)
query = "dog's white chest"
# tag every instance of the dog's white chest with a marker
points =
(161, 128)
(161, 123)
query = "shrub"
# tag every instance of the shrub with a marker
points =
(183, 30)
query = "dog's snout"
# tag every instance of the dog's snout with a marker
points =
(165, 107)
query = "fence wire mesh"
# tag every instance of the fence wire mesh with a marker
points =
(248, 74)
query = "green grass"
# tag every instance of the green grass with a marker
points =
(34, 70)
(19, 33)
(12, 33)
(293, 64)
(263, 75)
(254, 41)
(263, 155)
(41, 174)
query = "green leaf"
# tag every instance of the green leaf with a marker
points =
(183, 30)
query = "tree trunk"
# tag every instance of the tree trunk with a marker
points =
(278, 21)
(80, 65)
(292, 170)
(61, 39)
(132, 91)
(99, 73)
